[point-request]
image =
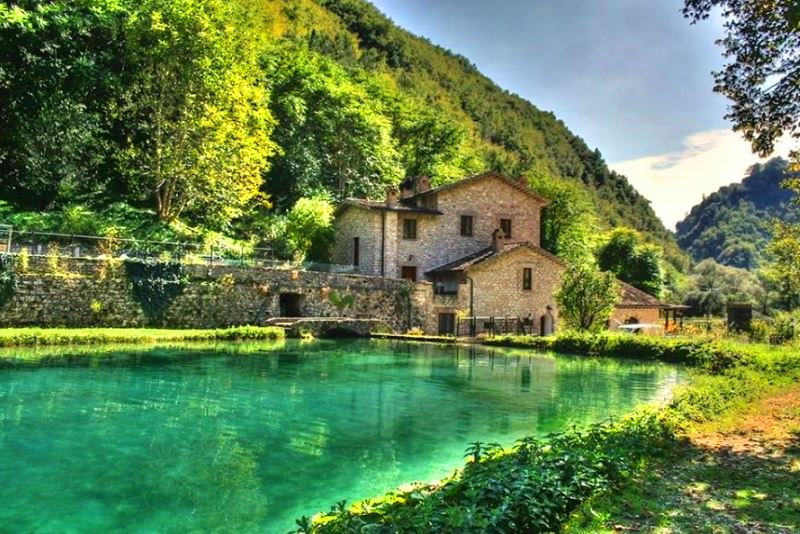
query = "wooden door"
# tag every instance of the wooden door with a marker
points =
(447, 324)
(408, 273)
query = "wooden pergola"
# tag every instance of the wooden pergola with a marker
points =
(677, 311)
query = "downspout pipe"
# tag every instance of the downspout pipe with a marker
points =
(383, 243)
(471, 306)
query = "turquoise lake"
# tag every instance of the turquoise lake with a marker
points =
(247, 438)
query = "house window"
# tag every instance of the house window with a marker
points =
(466, 225)
(527, 278)
(409, 228)
(505, 226)
(356, 251)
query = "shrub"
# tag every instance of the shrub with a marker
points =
(24, 260)
(341, 301)
(531, 488)
(95, 336)
(758, 331)
(784, 327)
(8, 278)
(711, 355)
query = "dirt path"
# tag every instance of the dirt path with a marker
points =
(740, 476)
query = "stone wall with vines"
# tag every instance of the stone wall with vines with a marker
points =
(8, 278)
(82, 293)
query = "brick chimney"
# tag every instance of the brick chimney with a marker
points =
(406, 189)
(392, 196)
(423, 184)
(498, 240)
(522, 181)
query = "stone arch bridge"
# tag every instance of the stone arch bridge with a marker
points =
(327, 326)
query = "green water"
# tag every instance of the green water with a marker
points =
(248, 438)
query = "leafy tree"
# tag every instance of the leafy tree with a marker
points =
(632, 261)
(196, 122)
(162, 105)
(309, 228)
(334, 137)
(762, 44)
(711, 286)
(568, 223)
(587, 297)
(431, 145)
(784, 268)
(56, 75)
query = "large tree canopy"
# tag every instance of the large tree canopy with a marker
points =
(762, 75)
(625, 254)
(157, 99)
(196, 125)
(57, 62)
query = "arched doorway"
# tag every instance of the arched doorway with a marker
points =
(547, 324)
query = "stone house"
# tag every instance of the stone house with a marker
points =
(475, 242)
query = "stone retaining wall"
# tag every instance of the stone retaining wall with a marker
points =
(92, 293)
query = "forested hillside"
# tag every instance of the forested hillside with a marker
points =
(196, 118)
(733, 225)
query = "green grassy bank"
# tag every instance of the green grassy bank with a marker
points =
(538, 484)
(30, 337)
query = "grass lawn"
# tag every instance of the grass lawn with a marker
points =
(16, 337)
(737, 473)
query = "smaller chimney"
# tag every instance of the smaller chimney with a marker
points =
(522, 181)
(406, 189)
(423, 184)
(498, 240)
(391, 195)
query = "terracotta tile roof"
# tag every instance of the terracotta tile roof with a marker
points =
(636, 298)
(467, 262)
(477, 177)
(382, 206)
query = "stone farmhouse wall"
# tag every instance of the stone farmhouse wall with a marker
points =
(498, 286)
(92, 293)
(497, 290)
(366, 226)
(439, 238)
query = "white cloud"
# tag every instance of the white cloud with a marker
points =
(676, 181)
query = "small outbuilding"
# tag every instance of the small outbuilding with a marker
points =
(639, 307)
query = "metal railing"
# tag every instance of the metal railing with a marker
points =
(97, 247)
(492, 326)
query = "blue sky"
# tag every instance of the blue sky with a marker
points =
(632, 77)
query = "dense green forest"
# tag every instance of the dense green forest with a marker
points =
(734, 225)
(210, 120)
